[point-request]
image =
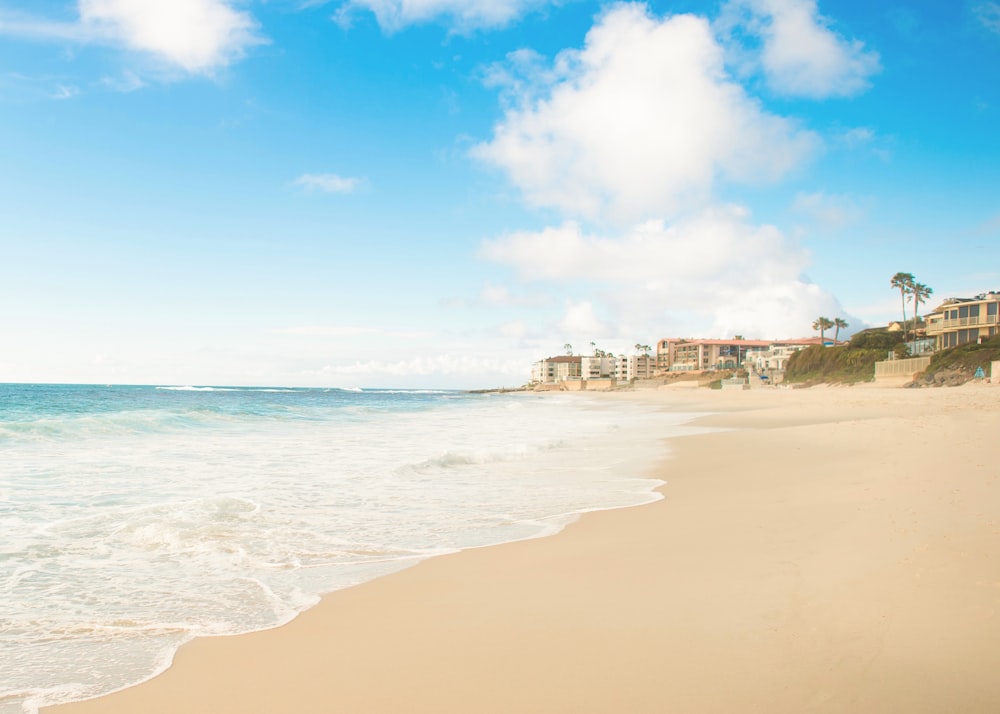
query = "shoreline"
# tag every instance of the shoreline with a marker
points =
(792, 564)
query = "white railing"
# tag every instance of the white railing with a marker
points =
(958, 322)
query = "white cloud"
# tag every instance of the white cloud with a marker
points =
(462, 15)
(198, 36)
(581, 319)
(516, 329)
(988, 14)
(801, 55)
(642, 121)
(328, 183)
(422, 366)
(712, 274)
(495, 295)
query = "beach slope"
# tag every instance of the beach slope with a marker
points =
(829, 549)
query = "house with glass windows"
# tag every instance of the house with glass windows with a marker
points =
(960, 321)
(691, 355)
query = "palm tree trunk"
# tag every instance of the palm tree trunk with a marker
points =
(902, 299)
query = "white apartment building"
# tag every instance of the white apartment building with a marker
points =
(628, 368)
(568, 367)
(556, 369)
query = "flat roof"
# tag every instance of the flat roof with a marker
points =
(748, 343)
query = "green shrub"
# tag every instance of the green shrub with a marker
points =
(961, 362)
(876, 339)
(844, 365)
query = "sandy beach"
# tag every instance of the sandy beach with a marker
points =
(825, 549)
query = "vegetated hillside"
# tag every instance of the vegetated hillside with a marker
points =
(841, 365)
(958, 364)
(876, 338)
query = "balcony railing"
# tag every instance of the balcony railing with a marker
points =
(957, 323)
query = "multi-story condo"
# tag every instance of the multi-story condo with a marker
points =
(557, 369)
(959, 321)
(677, 355)
(599, 367)
(632, 367)
(569, 367)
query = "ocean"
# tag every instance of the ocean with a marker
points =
(134, 518)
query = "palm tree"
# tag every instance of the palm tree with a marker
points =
(920, 293)
(903, 281)
(822, 324)
(838, 322)
(569, 349)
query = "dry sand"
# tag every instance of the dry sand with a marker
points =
(837, 550)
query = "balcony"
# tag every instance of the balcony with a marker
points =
(939, 326)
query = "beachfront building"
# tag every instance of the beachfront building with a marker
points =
(598, 367)
(557, 369)
(629, 368)
(774, 358)
(693, 355)
(679, 355)
(604, 366)
(960, 321)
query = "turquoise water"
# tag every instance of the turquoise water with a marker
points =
(134, 518)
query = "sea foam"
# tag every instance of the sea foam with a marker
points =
(137, 518)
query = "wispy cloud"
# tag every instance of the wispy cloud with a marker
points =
(462, 16)
(349, 331)
(127, 82)
(501, 296)
(988, 15)
(329, 183)
(65, 91)
(863, 138)
(19, 24)
(826, 210)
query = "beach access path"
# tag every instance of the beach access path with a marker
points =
(827, 550)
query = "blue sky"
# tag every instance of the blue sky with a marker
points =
(435, 193)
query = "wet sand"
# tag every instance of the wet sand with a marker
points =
(828, 549)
